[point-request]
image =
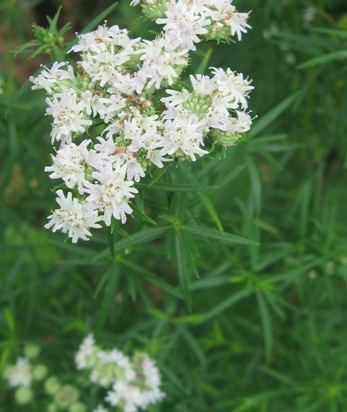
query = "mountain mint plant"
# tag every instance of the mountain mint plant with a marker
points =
(123, 109)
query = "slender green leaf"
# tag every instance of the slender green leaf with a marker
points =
(267, 325)
(109, 296)
(226, 304)
(139, 238)
(203, 197)
(204, 63)
(205, 232)
(98, 19)
(273, 114)
(193, 344)
(286, 380)
(182, 270)
(178, 187)
(333, 32)
(324, 59)
(148, 276)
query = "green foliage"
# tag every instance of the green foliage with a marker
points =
(48, 41)
(233, 273)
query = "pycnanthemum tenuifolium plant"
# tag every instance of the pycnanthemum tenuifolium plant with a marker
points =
(122, 111)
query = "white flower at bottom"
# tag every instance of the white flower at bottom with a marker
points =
(132, 393)
(100, 408)
(74, 218)
(20, 375)
(124, 394)
(85, 351)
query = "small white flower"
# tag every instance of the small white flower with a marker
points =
(49, 79)
(134, 168)
(203, 85)
(68, 115)
(242, 124)
(152, 381)
(233, 85)
(98, 40)
(141, 390)
(20, 375)
(70, 164)
(156, 158)
(224, 14)
(161, 61)
(110, 106)
(85, 350)
(238, 24)
(122, 362)
(184, 138)
(111, 193)
(184, 23)
(73, 217)
(90, 102)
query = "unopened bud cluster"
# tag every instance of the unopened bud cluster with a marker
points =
(119, 112)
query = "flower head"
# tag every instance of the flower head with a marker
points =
(20, 373)
(74, 218)
(121, 110)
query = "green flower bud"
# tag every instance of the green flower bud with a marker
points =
(39, 372)
(39, 32)
(23, 395)
(31, 350)
(218, 32)
(88, 174)
(66, 396)
(224, 138)
(52, 385)
(78, 407)
(105, 373)
(198, 105)
(52, 407)
(153, 9)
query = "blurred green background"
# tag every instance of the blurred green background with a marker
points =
(266, 331)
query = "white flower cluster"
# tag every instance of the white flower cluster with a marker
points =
(25, 373)
(188, 21)
(20, 374)
(132, 384)
(118, 113)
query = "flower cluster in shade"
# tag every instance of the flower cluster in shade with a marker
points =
(121, 110)
(131, 384)
(25, 373)
(125, 384)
